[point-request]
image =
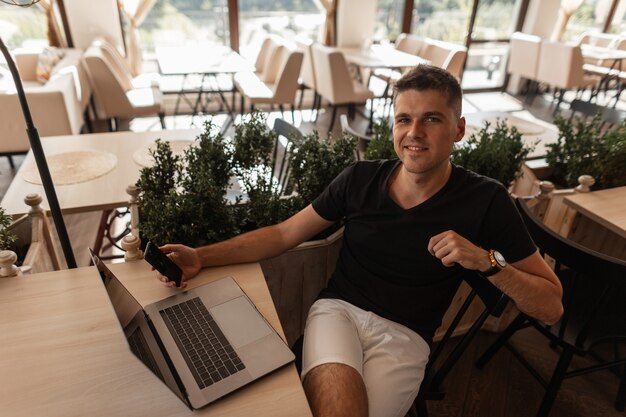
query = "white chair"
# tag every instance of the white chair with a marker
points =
(524, 59)
(561, 67)
(446, 55)
(335, 83)
(307, 72)
(282, 90)
(115, 95)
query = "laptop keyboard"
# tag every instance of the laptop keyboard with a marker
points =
(205, 348)
(140, 349)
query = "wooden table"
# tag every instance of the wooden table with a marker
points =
(600, 220)
(102, 193)
(534, 131)
(63, 352)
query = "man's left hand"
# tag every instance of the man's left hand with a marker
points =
(452, 248)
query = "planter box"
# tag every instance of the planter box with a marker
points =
(296, 277)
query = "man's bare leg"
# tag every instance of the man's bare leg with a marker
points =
(336, 390)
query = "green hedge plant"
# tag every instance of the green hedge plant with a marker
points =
(496, 152)
(183, 199)
(585, 147)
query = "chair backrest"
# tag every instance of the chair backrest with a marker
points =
(411, 44)
(109, 88)
(586, 110)
(117, 62)
(334, 81)
(261, 57)
(594, 287)
(307, 73)
(560, 65)
(524, 55)
(286, 84)
(362, 139)
(455, 61)
(287, 136)
(275, 56)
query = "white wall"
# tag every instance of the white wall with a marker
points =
(92, 18)
(355, 21)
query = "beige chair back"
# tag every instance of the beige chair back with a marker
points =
(286, 84)
(275, 59)
(524, 55)
(334, 81)
(560, 65)
(411, 44)
(455, 61)
(112, 96)
(117, 61)
(307, 73)
(261, 58)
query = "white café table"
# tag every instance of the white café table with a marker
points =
(102, 193)
(63, 352)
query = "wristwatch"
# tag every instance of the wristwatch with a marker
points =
(498, 263)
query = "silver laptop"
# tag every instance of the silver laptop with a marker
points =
(203, 343)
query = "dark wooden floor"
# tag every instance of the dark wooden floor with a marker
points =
(504, 388)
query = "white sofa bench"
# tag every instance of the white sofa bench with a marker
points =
(57, 107)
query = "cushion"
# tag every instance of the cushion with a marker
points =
(48, 58)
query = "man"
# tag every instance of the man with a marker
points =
(413, 227)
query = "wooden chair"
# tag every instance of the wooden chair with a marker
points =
(524, 60)
(439, 366)
(115, 95)
(288, 134)
(279, 90)
(561, 67)
(335, 83)
(593, 299)
(362, 139)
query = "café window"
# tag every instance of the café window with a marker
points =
(23, 27)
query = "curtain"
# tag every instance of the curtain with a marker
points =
(55, 37)
(135, 12)
(329, 27)
(567, 9)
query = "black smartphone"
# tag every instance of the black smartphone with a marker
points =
(162, 263)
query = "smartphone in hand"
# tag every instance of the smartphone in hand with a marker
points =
(162, 263)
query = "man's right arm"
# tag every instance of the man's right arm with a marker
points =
(254, 246)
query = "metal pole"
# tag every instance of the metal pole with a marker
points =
(40, 159)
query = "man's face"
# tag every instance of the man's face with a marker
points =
(425, 129)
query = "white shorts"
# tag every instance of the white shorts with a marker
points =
(390, 357)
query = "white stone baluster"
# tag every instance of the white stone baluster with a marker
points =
(130, 243)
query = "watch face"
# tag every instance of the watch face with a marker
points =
(499, 258)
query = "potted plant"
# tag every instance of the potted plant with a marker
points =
(7, 237)
(184, 200)
(584, 147)
(494, 152)
(381, 144)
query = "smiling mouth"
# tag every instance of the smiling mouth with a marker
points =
(415, 148)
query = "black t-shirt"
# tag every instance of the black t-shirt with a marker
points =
(384, 265)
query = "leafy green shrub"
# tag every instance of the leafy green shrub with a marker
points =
(315, 163)
(497, 153)
(7, 238)
(183, 199)
(584, 147)
(381, 145)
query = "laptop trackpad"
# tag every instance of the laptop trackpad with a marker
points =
(240, 321)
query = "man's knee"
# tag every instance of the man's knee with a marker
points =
(335, 389)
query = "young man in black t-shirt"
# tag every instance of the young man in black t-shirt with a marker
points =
(413, 227)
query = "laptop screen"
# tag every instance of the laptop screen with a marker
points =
(132, 318)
